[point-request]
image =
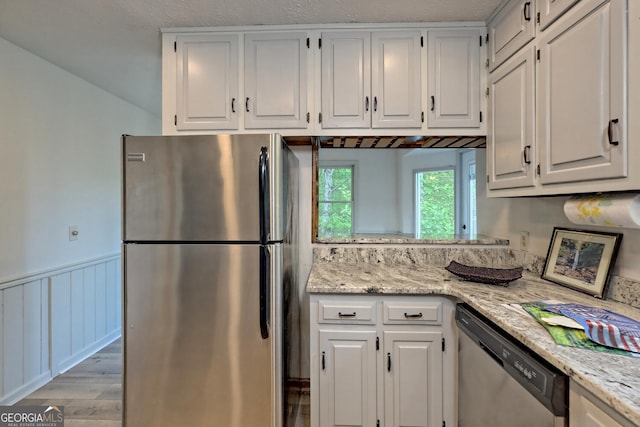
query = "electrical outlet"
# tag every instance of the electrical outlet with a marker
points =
(73, 232)
(524, 239)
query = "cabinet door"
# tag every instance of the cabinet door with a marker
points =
(276, 80)
(395, 80)
(511, 128)
(346, 79)
(550, 10)
(581, 95)
(586, 410)
(454, 78)
(207, 82)
(413, 378)
(509, 30)
(347, 378)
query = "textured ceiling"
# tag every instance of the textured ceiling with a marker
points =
(116, 44)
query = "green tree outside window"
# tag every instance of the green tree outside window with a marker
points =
(435, 203)
(335, 201)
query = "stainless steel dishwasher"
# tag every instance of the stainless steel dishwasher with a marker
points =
(500, 384)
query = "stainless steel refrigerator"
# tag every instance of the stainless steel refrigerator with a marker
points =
(209, 232)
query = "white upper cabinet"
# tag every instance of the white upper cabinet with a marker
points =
(371, 80)
(550, 10)
(352, 80)
(207, 82)
(511, 156)
(276, 67)
(454, 78)
(346, 79)
(510, 29)
(581, 95)
(395, 79)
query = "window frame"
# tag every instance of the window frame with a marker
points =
(416, 204)
(337, 165)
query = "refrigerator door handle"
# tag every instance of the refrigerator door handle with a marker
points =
(265, 294)
(264, 195)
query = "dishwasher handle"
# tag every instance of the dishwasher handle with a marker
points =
(491, 353)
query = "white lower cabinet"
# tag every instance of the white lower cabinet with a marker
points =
(347, 378)
(382, 361)
(413, 378)
(587, 410)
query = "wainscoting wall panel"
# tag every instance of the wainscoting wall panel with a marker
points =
(52, 320)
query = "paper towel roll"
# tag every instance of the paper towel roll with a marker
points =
(610, 210)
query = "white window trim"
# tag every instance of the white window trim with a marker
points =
(354, 184)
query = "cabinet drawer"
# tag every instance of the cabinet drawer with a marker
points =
(347, 312)
(425, 313)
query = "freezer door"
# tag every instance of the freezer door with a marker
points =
(200, 188)
(193, 350)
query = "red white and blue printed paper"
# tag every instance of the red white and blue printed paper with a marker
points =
(602, 326)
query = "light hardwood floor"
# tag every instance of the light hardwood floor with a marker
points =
(91, 393)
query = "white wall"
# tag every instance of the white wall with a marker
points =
(59, 164)
(507, 217)
(377, 208)
(305, 252)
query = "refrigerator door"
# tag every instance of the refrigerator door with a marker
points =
(202, 188)
(194, 353)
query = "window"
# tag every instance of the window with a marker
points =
(435, 203)
(468, 222)
(335, 201)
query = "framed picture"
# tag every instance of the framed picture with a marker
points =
(582, 260)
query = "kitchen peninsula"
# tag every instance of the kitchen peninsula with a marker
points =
(417, 271)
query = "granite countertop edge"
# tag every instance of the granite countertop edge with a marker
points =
(615, 379)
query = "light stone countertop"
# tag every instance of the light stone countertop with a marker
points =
(615, 379)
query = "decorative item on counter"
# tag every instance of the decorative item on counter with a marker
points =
(581, 260)
(493, 276)
(601, 330)
(609, 210)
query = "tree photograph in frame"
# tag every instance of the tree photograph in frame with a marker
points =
(581, 260)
